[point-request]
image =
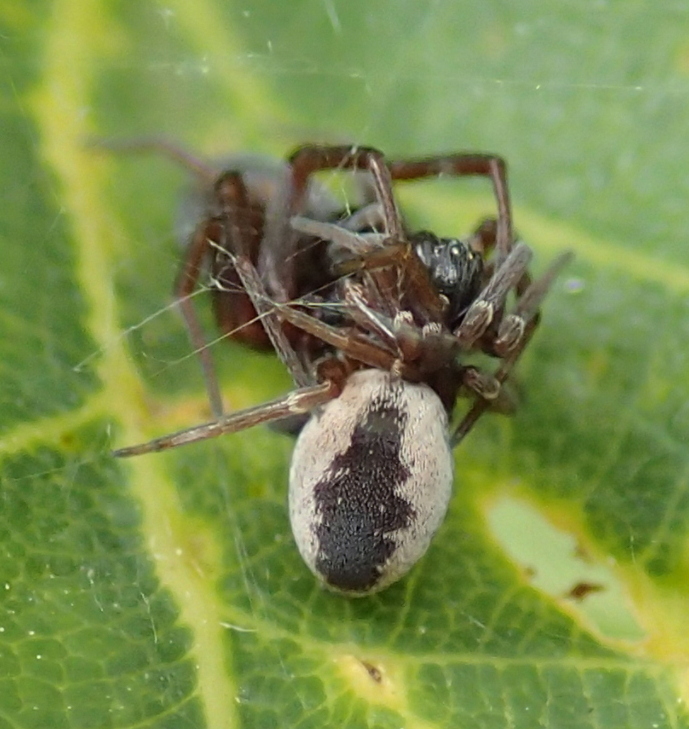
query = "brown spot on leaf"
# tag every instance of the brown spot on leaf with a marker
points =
(373, 671)
(583, 589)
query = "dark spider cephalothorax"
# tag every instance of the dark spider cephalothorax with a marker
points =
(374, 323)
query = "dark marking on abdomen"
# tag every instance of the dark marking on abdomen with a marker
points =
(358, 504)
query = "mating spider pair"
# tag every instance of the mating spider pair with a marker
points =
(372, 321)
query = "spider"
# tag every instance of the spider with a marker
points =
(377, 356)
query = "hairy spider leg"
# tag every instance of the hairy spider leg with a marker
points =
(482, 311)
(352, 343)
(266, 310)
(527, 308)
(293, 403)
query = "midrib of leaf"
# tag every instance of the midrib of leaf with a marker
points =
(75, 41)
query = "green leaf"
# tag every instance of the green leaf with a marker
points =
(166, 591)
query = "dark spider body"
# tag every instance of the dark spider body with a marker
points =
(456, 269)
(373, 323)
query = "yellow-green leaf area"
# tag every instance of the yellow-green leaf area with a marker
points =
(166, 591)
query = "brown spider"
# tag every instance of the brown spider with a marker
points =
(376, 355)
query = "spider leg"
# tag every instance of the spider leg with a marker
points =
(484, 385)
(416, 346)
(513, 325)
(483, 310)
(370, 216)
(348, 341)
(367, 317)
(355, 225)
(498, 399)
(483, 241)
(481, 405)
(349, 239)
(311, 159)
(465, 164)
(223, 240)
(186, 282)
(368, 252)
(421, 296)
(528, 306)
(205, 172)
(294, 403)
(401, 346)
(259, 298)
(483, 238)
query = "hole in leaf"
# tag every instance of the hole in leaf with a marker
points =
(555, 562)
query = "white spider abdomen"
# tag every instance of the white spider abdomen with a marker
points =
(370, 482)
